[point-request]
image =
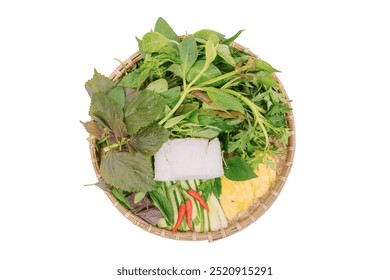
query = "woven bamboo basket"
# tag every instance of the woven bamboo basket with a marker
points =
(254, 212)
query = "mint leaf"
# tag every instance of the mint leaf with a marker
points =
(153, 42)
(225, 100)
(148, 140)
(132, 173)
(238, 170)
(163, 28)
(105, 110)
(98, 84)
(142, 108)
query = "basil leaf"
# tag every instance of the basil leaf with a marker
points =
(217, 187)
(98, 84)
(175, 120)
(163, 27)
(238, 170)
(205, 34)
(122, 170)
(176, 70)
(209, 133)
(105, 109)
(224, 52)
(211, 51)
(148, 140)
(266, 79)
(153, 42)
(171, 96)
(264, 66)
(225, 100)
(158, 86)
(211, 72)
(142, 108)
(140, 47)
(234, 37)
(188, 53)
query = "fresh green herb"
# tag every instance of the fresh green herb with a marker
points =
(133, 173)
(238, 170)
(121, 198)
(142, 108)
(149, 139)
(99, 84)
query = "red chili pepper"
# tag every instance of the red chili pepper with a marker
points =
(182, 211)
(198, 198)
(189, 213)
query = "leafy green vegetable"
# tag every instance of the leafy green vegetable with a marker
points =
(118, 94)
(132, 173)
(142, 108)
(99, 84)
(208, 187)
(163, 28)
(188, 52)
(121, 198)
(158, 86)
(238, 170)
(162, 202)
(104, 109)
(224, 52)
(234, 37)
(211, 72)
(205, 34)
(139, 196)
(148, 140)
(154, 42)
(94, 129)
(224, 99)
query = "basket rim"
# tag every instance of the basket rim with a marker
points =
(261, 204)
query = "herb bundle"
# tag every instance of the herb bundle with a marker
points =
(195, 86)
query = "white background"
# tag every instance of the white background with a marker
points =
(331, 220)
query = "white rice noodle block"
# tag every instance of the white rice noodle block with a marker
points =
(188, 159)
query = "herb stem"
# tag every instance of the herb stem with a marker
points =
(255, 110)
(174, 109)
(110, 147)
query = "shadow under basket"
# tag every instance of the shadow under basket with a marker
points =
(254, 212)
